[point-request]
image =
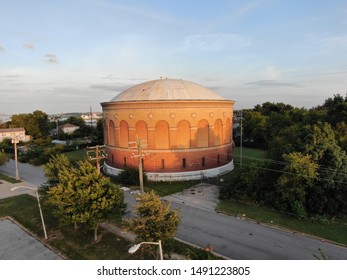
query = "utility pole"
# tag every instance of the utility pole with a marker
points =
(97, 153)
(139, 155)
(241, 140)
(15, 141)
(57, 121)
(91, 121)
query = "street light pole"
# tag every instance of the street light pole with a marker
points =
(15, 141)
(16, 159)
(38, 202)
(43, 221)
(134, 248)
(241, 128)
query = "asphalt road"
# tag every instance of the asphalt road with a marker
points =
(27, 172)
(232, 237)
(245, 240)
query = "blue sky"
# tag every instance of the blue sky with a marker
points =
(68, 55)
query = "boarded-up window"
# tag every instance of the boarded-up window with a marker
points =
(162, 135)
(183, 134)
(228, 131)
(218, 132)
(141, 131)
(202, 136)
(106, 137)
(123, 134)
(111, 134)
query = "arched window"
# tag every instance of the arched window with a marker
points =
(228, 131)
(123, 134)
(111, 134)
(202, 136)
(105, 132)
(218, 132)
(141, 131)
(162, 135)
(183, 135)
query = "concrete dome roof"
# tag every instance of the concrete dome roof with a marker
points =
(166, 89)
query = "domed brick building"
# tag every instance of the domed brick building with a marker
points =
(184, 129)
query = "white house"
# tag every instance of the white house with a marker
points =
(68, 128)
(14, 133)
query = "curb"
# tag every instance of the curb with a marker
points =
(196, 246)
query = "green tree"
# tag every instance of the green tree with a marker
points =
(336, 108)
(3, 158)
(98, 198)
(56, 164)
(78, 121)
(268, 108)
(329, 197)
(130, 176)
(36, 124)
(253, 183)
(82, 196)
(254, 128)
(154, 220)
(341, 135)
(300, 175)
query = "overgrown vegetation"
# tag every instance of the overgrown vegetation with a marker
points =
(305, 172)
(130, 177)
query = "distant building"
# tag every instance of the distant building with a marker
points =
(68, 128)
(185, 131)
(91, 119)
(14, 133)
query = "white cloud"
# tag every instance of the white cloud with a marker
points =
(2, 49)
(50, 59)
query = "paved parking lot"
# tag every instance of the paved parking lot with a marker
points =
(17, 244)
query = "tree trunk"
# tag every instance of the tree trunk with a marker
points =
(96, 232)
(75, 226)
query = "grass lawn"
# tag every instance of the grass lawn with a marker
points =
(76, 155)
(167, 188)
(8, 179)
(73, 244)
(331, 231)
(248, 155)
(79, 245)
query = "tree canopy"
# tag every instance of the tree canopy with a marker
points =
(154, 220)
(79, 195)
(306, 168)
(3, 158)
(35, 124)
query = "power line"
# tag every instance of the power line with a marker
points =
(291, 173)
(97, 153)
(286, 163)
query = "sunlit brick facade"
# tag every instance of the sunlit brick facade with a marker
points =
(185, 130)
